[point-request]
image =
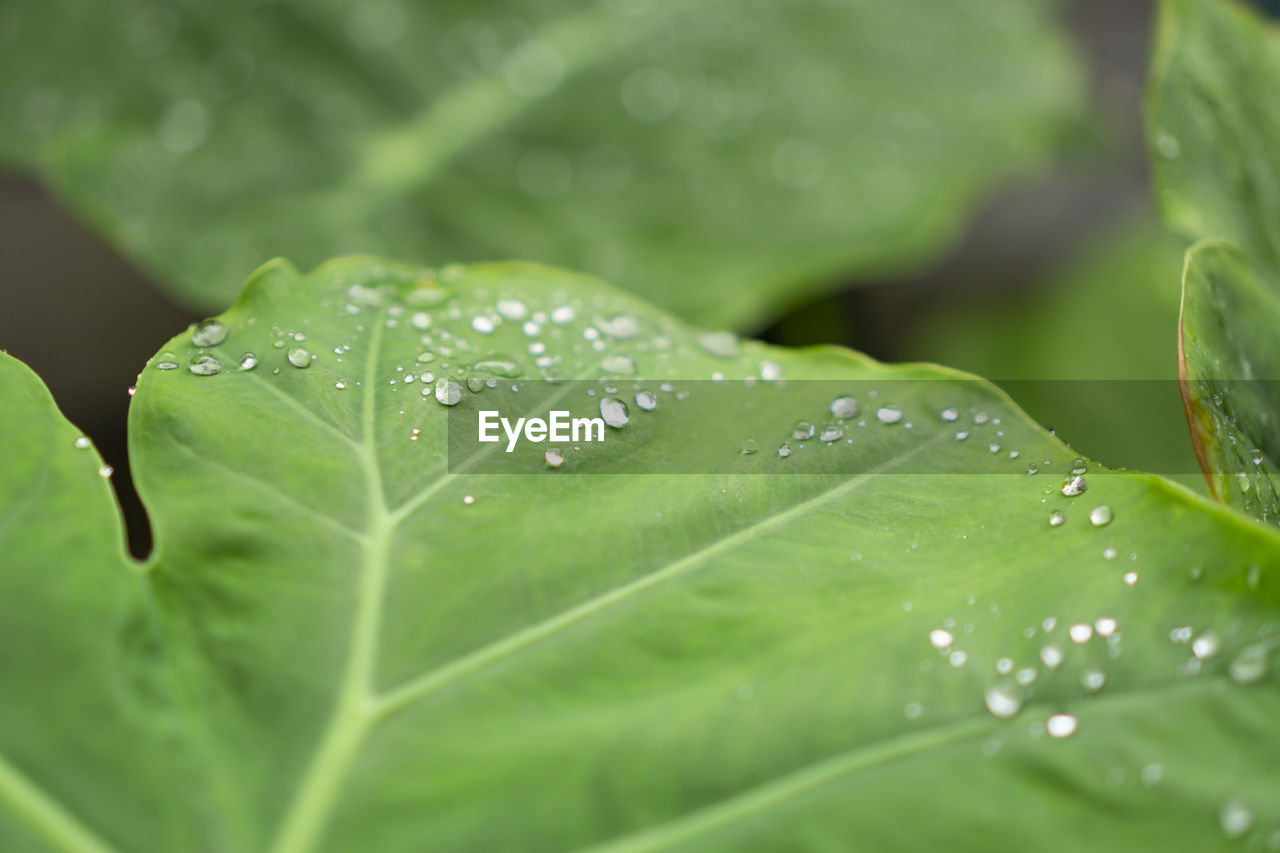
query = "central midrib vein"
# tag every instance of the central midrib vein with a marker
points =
(353, 712)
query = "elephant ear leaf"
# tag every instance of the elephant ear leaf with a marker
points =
(1215, 140)
(763, 151)
(356, 634)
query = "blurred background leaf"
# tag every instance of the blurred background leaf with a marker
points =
(722, 159)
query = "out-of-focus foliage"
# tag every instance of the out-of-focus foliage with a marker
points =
(1089, 352)
(722, 158)
(1214, 131)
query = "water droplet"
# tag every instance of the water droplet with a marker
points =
(1060, 725)
(1080, 632)
(939, 638)
(447, 392)
(512, 309)
(1057, 518)
(830, 432)
(784, 449)
(1025, 677)
(1101, 516)
(950, 414)
(958, 658)
(248, 361)
(622, 327)
(1002, 700)
(1051, 656)
(803, 431)
(619, 364)
(204, 365)
(300, 357)
(912, 710)
(748, 446)
(1076, 485)
(483, 325)
(721, 344)
(468, 499)
(420, 320)
(168, 363)
(962, 435)
(1109, 553)
(1152, 774)
(647, 400)
(845, 407)
(889, 414)
(1250, 665)
(770, 371)
(106, 471)
(209, 333)
(615, 412)
(1206, 645)
(1105, 626)
(1093, 679)
(562, 314)
(1004, 666)
(83, 443)
(554, 458)
(340, 385)
(1235, 818)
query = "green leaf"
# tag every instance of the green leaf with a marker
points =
(1215, 141)
(1230, 316)
(722, 159)
(333, 648)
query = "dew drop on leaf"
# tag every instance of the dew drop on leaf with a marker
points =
(1206, 645)
(1051, 656)
(619, 364)
(1060, 725)
(1075, 485)
(615, 412)
(845, 407)
(209, 333)
(647, 400)
(1101, 516)
(1057, 518)
(553, 458)
(940, 638)
(300, 357)
(83, 443)
(803, 431)
(248, 361)
(1236, 818)
(1250, 665)
(447, 392)
(205, 365)
(889, 414)
(721, 344)
(1002, 700)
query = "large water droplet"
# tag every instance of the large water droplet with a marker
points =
(888, 414)
(1060, 725)
(209, 333)
(300, 357)
(1051, 656)
(614, 412)
(1081, 632)
(1236, 818)
(248, 361)
(803, 431)
(1057, 518)
(1250, 665)
(619, 364)
(940, 638)
(204, 365)
(1206, 645)
(831, 432)
(647, 400)
(1101, 516)
(1075, 485)
(845, 407)
(1002, 700)
(447, 392)
(554, 458)
(83, 443)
